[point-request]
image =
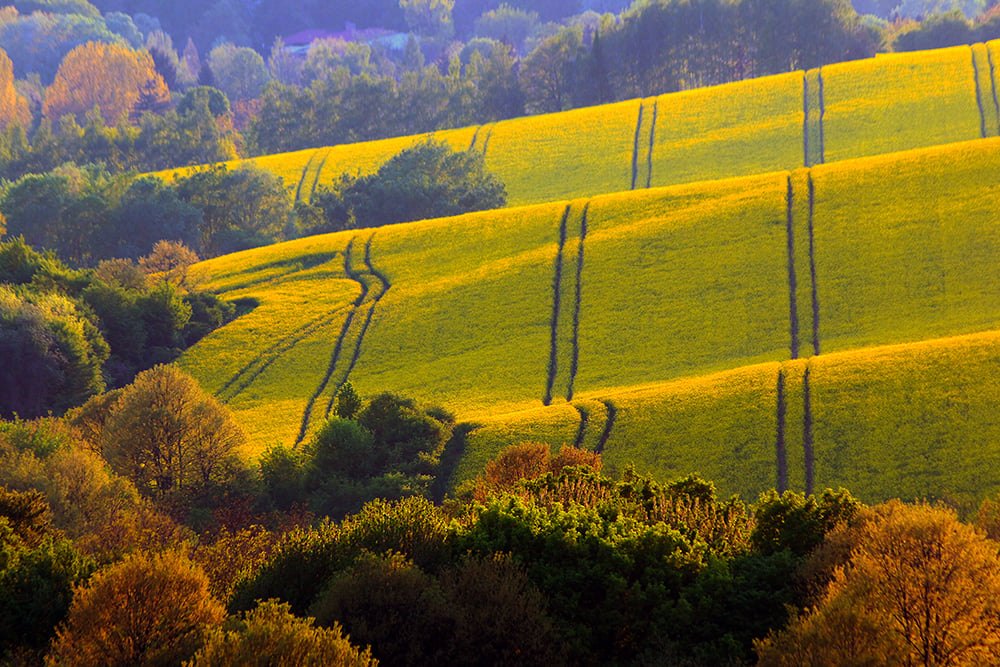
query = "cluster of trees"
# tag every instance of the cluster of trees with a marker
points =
(130, 533)
(474, 62)
(86, 215)
(66, 334)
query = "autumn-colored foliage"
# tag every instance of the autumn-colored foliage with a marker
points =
(14, 108)
(918, 588)
(109, 76)
(146, 610)
(529, 460)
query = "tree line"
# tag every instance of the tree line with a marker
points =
(132, 532)
(121, 94)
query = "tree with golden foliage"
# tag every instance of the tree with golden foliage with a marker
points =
(112, 77)
(272, 635)
(529, 460)
(918, 588)
(165, 433)
(14, 109)
(145, 610)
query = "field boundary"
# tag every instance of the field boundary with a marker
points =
(780, 448)
(338, 345)
(574, 363)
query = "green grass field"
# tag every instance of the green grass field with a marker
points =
(670, 312)
(886, 104)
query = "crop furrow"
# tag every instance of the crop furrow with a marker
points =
(652, 141)
(812, 265)
(780, 450)
(609, 426)
(635, 146)
(574, 363)
(384, 286)
(338, 346)
(792, 280)
(556, 299)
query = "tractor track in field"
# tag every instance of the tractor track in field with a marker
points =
(574, 363)
(822, 116)
(780, 447)
(652, 141)
(319, 172)
(979, 93)
(556, 306)
(792, 279)
(475, 138)
(486, 139)
(812, 265)
(993, 85)
(609, 426)
(338, 346)
(805, 118)
(635, 145)
(305, 174)
(384, 286)
(807, 430)
(581, 432)
(253, 369)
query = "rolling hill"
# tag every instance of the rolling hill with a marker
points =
(807, 328)
(887, 104)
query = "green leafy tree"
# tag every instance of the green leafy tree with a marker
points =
(348, 402)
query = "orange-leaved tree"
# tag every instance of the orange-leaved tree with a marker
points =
(112, 77)
(14, 109)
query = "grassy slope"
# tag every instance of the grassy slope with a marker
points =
(676, 283)
(890, 103)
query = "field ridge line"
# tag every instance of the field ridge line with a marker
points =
(812, 264)
(635, 145)
(780, 450)
(979, 92)
(581, 432)
(609, 426)
(384, 289)
(338, 346)
(793, 308)
(556, 298)
(574, 362)
(652, 140)
(807, 429)
(993, 84)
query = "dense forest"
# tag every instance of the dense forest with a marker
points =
(151, 85)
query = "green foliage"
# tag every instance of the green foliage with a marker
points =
(348, 402)
(797, 523)
(426, 181)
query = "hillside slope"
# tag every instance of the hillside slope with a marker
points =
(574, 303)
(886, 104)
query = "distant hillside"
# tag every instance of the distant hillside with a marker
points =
(848, 110)
(713, 299)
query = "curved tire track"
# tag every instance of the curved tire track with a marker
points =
(609, 426)
(384, 286)
(305, 174)
(574, 363)
(338, 346)
(556, 305)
